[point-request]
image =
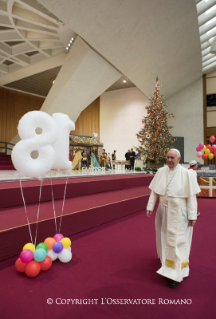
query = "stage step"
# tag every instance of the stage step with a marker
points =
(6, 162)
(80, 213)
(10, 193)
(6, 167)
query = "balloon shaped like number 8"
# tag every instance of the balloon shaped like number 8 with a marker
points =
(28, 128)
(61, 145)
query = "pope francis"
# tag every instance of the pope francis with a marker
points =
(176, 188)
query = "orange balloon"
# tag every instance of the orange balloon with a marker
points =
(32, 269)
(20, 266)
(49, 241)
(46, 263)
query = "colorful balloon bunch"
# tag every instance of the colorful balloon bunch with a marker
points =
(59, 248)
(209, 151)
(32, 260)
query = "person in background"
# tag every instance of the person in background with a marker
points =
(193, 167)
(138, 156)
(84, 159)
(102, 157)
(94, 162)
(110, 159)
(127, 157)
(108, 163)
(132, 158)
(114, 157)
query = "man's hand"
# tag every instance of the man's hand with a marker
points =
(149, 212)
(191, 223)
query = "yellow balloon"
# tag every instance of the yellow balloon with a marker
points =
(204, 147)
(210, 156)
(66, 242)
(207, 151)
(29, 246)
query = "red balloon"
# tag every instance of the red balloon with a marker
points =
(46, 263)
(208, 146)
(204, 157)
(213, 149)
(20, 266)
(32, 269)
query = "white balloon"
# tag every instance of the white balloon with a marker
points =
(52, 254)
(49, 137)
(61, 145)
(69, 248)
(65, 256)
(31, 141)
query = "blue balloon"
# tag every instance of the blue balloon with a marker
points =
(39, 254)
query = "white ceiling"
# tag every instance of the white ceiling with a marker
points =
(142, 39)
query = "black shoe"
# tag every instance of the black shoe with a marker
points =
(172, 283)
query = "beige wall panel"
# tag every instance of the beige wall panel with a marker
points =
(212, 108)
(121, 114)
(211, 86)
(187, 107)
(211, 119)
(211, 74)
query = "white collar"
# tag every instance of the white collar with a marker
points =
(174, 169)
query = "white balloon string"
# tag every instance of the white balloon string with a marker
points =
(25, 208)
(53, 202)
(38, 211)
(63, 204)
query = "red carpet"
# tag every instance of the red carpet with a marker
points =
(117, 260)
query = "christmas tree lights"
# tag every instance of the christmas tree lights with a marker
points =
(155, 137)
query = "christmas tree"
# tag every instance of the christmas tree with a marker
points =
(155, 136)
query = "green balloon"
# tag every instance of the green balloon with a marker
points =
(42, 245)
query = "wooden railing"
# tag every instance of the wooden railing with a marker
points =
(6, 147)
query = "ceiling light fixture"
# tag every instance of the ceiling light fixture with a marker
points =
(52, 81)
(69, 44)
(124, 81)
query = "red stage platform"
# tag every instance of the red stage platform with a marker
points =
(90, 202)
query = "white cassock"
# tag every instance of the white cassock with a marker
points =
(177, 189)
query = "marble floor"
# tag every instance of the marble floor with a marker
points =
(12, 176)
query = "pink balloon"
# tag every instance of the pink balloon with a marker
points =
(201, 145)
(26, 255)
(212, 139)
(215, 154)
(197, 148)
(199, 154)
(58, 237)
